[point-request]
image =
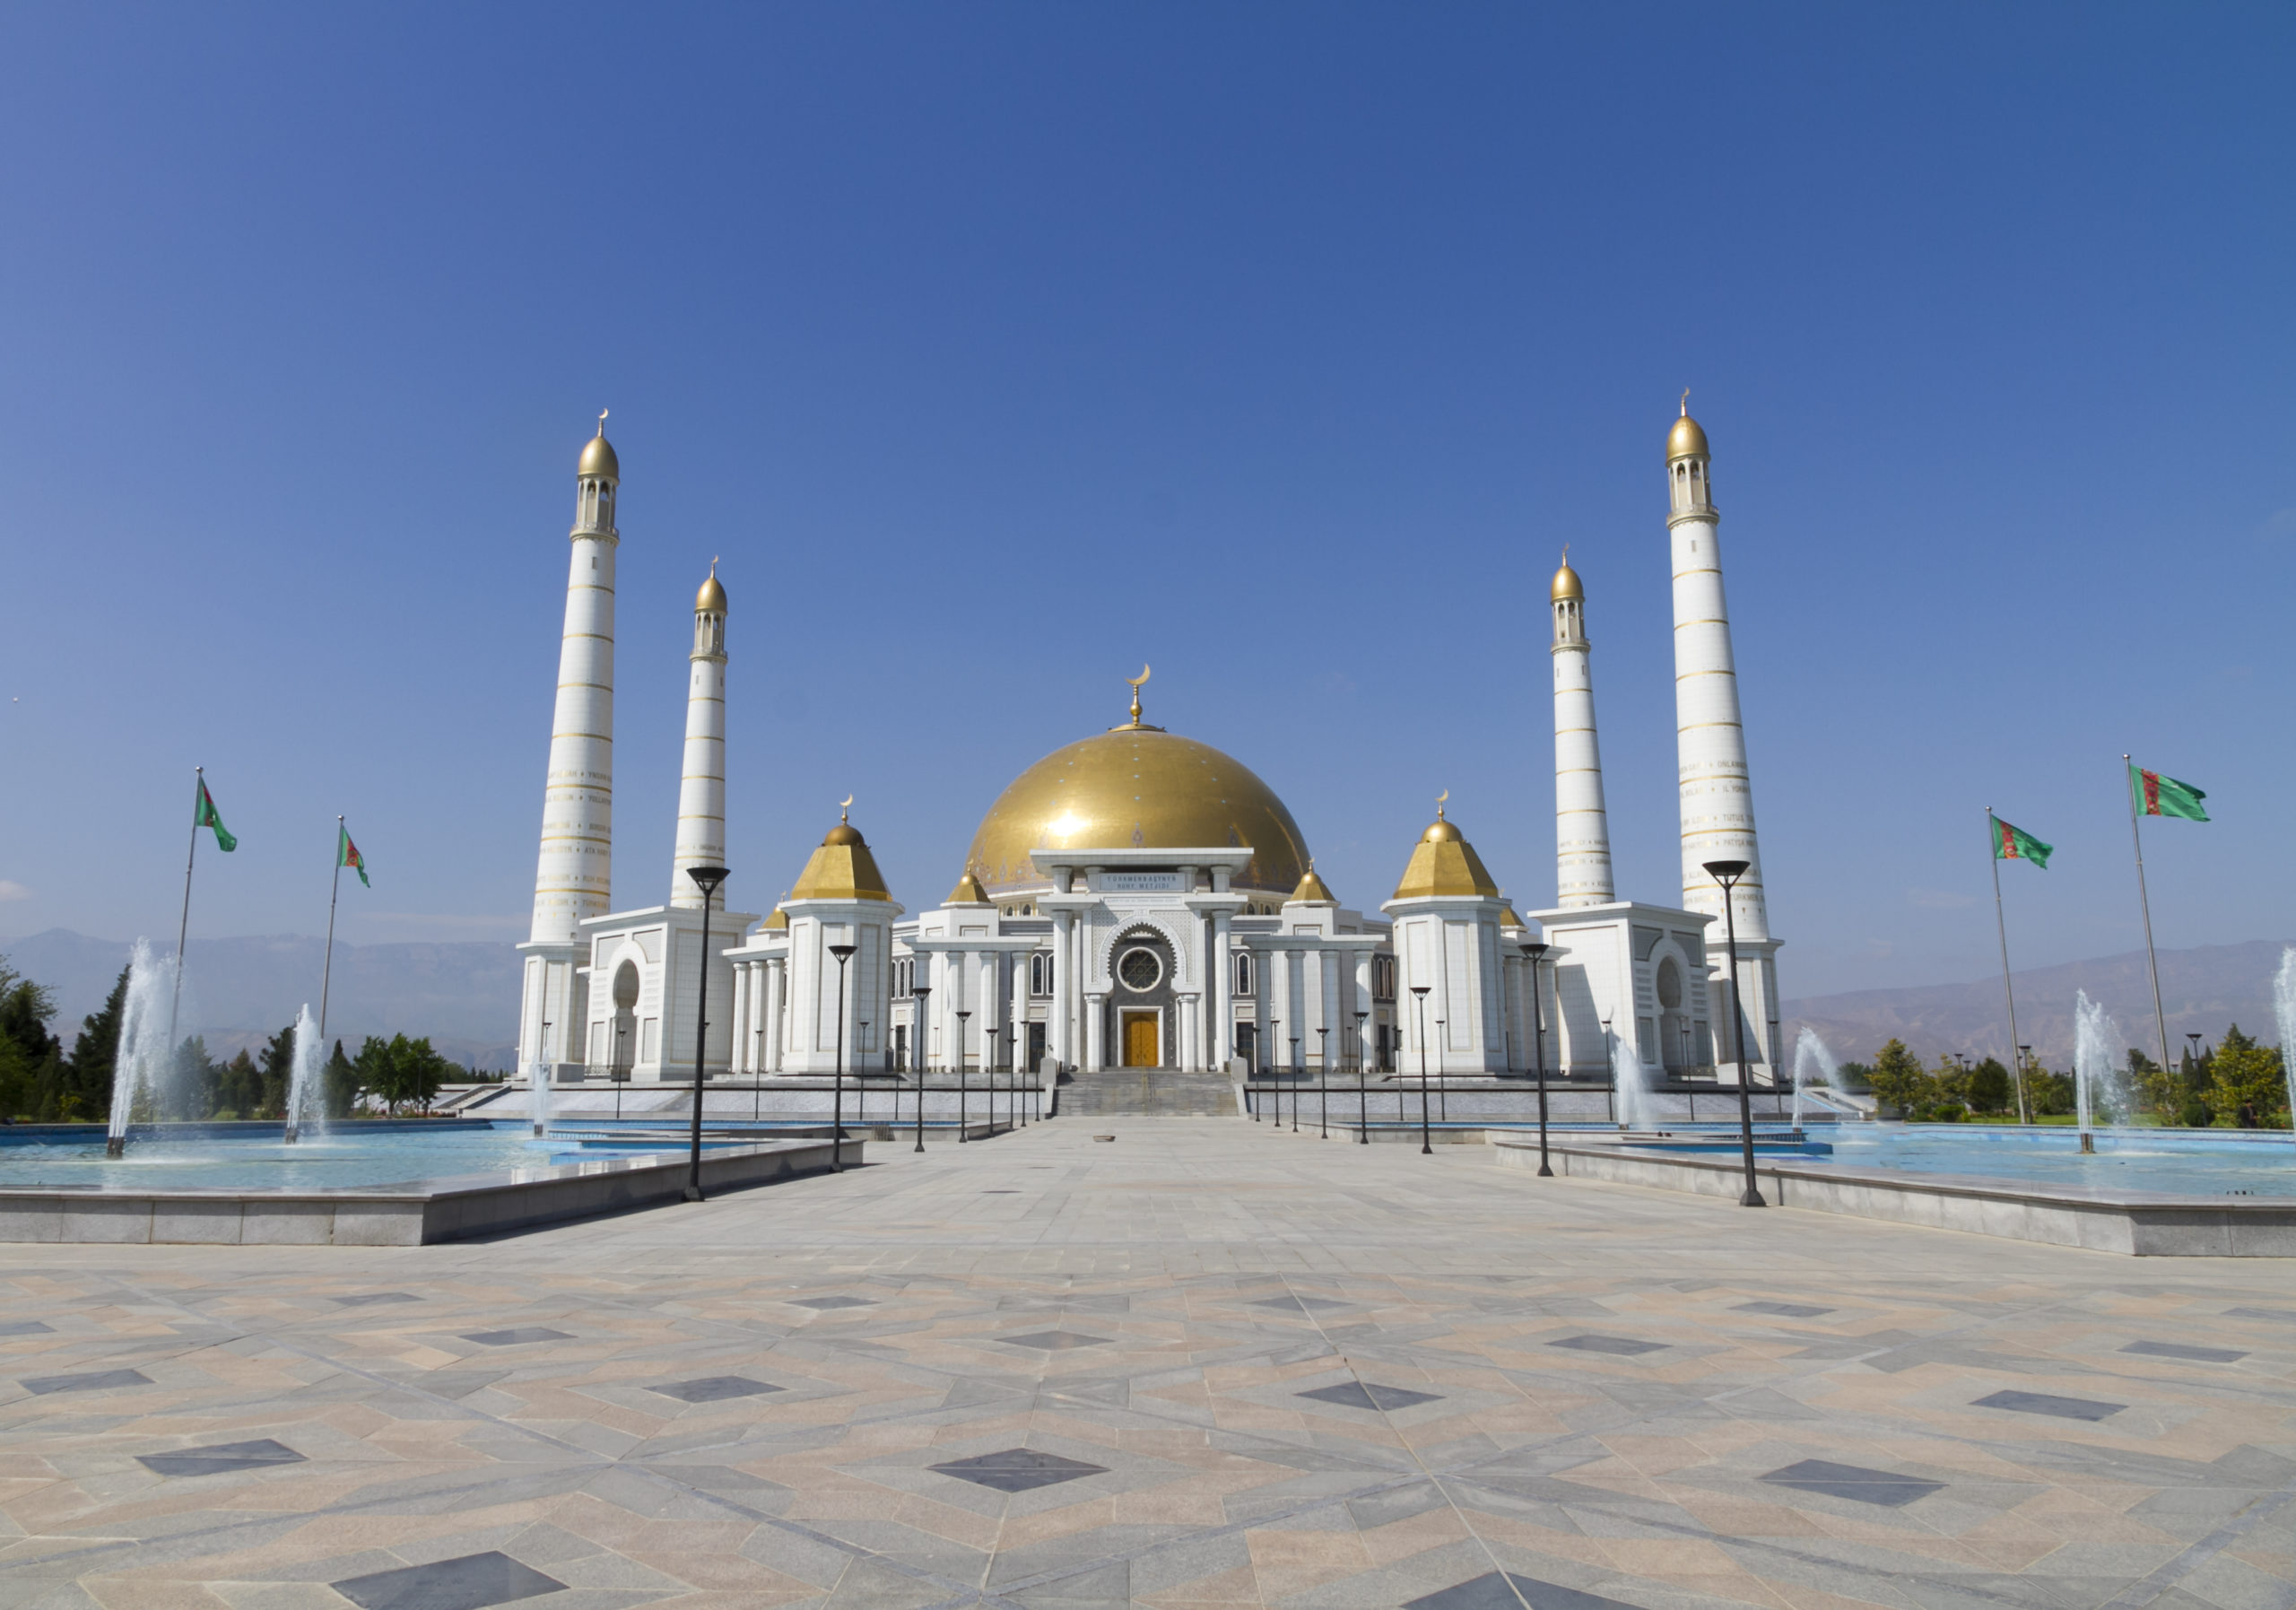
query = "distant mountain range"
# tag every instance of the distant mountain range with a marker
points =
(237, 992)
(2202, 990)
(465, 997)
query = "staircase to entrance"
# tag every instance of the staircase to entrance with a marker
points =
(1161, 1092)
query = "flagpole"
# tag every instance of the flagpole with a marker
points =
(183, 928)
(326, 971)
(2001, 923)
(2144, 903)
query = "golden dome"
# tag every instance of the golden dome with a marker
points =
(1137, 787)
(599, 461)
(1444, 863)
(1685, 440)
(777, 921)
(842, 868)
(1565, 584)
(1509, 919)
(967, 893)
(1312, 891)
(712, 595)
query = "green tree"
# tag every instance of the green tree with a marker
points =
(1989, 1086)
(239, 1088)
(1896, 1077)
(401, 1071)
(1856, 1077)
(1949, 1081)
(2051, 1094)
(278, 1070)
(2247, 1073)
(83, 1088)
(2158, 1091)
(341, 1084)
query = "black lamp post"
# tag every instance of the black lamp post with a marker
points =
(1442, 1091)
(1274, 1024)
(1323, 1088)
(1419, 994)
(707, 879)
(1536, 952)
(963, 1041)
(621, 1069)
(844, 954)
(1727, 874)
(537, 1103)
(1362, 1096)
(916, 1052)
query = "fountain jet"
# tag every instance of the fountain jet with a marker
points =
(1812, 1065)
(144, 1058)
(306, 1101)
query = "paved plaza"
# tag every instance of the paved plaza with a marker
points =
(1206, 1365)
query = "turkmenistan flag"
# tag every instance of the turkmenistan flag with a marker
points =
(346, 853)
(203, 813)
(2158, 795)
(2015, 844)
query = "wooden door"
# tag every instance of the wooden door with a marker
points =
(1140, 1039)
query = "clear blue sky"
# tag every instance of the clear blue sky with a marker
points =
(999, 348)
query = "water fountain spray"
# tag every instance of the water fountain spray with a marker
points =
(1626, 1085)
(1812, 1065)
(306, 1102)
(142, 1056)
(2094, 1066)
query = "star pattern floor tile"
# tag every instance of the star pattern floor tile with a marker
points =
(1209, 1366)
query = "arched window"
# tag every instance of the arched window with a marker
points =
(1244, 973)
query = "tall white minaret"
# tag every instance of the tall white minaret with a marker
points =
(1582, 830)
(574, 872)
(1717, 800)
(701, 789)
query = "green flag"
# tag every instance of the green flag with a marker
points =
(347, 854)
(203, 813)
(2158, 795)
(2015, 844)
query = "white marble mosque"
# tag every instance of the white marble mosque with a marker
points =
(1137, 899)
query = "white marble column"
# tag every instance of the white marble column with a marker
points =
(1057, 1016)
(1263, 991)
(1329, 1046)
(1095, 1027)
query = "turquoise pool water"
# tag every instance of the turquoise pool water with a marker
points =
(348, 1157)
(2182, 1164)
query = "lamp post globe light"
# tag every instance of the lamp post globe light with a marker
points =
(1419, 994)
(963, 1043)
(1727, 874)
(916, 1053)
(844, 954)
(1536, 950)
(707, 879)
(1362, 1096)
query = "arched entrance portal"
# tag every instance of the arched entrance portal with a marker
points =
(625, 1018)
(1142, 1001)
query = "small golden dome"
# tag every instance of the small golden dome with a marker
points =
(1685, 440)
(599, 462)
(712, 595)
(842, 868)
(1312, 891)
(1566, 585)
(967, 893)
(778, 921)
(1444, 863)
(1509, 919)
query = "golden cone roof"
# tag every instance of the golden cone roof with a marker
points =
(1312, 891)
(1509, 919)
(1444, 863)
(777, 919)
(967, 893)
(598, 460)
(842, 868)
(1137, 787)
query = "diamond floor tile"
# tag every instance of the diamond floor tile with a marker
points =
(1853, 1482)
(2047, 1403)
(1624, 1346)
(1371, 1394)
(1018, 1470)
(219, 1457)
(714, 1388)
(471, 1582)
